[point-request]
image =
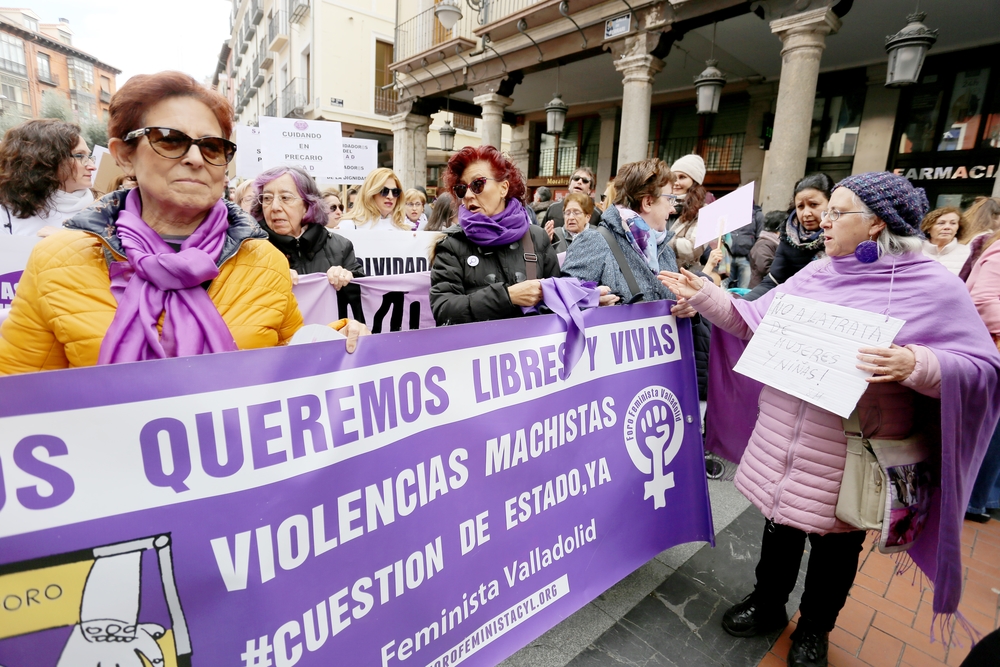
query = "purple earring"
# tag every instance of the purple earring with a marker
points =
(867, 252)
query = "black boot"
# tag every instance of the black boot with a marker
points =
(809, 648)
(749, 619)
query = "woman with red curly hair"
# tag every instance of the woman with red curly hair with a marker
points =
(488, 266)
(45, 169)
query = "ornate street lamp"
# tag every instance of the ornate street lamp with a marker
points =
(447, 136)
(907, 49)
(448, 12)
(709, 85)
(555, 115)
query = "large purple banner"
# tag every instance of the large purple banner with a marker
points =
(440, 497)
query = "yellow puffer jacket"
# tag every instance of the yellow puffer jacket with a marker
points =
(64, 305)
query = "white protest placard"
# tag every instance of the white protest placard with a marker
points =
(725, 214)
(360, 159)
(809, 349)
(249, 163)
(385, 252)
(98, 155)
(313, 145)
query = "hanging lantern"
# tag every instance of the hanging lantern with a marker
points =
(708, 86)
(907, 49)
(555, 115)
(448, 12)
(447, 136)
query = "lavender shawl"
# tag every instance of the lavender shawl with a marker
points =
(939, 315)
(156, 280)
(507, 226)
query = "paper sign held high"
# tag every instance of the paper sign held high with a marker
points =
(722, 216)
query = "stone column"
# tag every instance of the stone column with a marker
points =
(638, 67)
(520, 147)
(877, 120)
(761, 102)
(409, 148)
(804, 38)
(492, 105)
(606, 150)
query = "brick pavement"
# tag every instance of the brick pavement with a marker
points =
(887, 619)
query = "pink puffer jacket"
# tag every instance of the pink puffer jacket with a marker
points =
(793, 465)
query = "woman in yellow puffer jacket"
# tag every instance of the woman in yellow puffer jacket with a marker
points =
(166, 269)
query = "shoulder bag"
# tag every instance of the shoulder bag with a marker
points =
(886, 486)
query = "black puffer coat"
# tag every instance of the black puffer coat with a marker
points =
(317, 250)
(788, 260)
(469, 282)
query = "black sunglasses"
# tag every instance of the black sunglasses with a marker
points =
(395, 192)
(582, 179)
(477, 185)
(174, 144)
(339, 207)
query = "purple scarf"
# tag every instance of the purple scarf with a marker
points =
(158, 281)
(507, 227)
(939, 315)
(565, 297)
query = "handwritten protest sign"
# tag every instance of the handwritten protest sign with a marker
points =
(725, 214)
(313, 145)
(441, 496)
(809, 349)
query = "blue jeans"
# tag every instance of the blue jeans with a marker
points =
(739, 272)
(986, 490)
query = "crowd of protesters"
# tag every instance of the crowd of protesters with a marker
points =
(165, 251)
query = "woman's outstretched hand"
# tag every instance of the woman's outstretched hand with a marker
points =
(684, 284)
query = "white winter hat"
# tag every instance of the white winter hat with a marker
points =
(692, 165)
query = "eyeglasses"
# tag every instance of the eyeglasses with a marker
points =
(477, 185)
(671, 199)
(174, 144)
(248, 199)
(414, 204)
(395, 192)
(338, 207)
(83, 158)
(284, 198)
(582, 179)
(572, 213)
(834, 214)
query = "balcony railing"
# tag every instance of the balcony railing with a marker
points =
(49, 79)
(266, 57)
(294, 97)
(13, 67)
(256, 11)
(567, 159)
(423, 32)
(385, 101)
(723, 152)
(277, 32)
(12, 108)
(298, 10)
(105, 96)
(272, 108)
(494, 10)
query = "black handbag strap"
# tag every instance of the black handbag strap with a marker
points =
(616, 250)
(530, 258)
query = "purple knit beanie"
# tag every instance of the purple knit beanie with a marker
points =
(892, 198)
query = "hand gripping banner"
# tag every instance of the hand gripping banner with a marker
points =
(440, 497)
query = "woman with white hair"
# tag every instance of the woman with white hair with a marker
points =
(793, 465)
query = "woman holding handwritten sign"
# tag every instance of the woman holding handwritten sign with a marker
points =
(794, 462)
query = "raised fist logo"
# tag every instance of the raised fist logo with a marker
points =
(654, 432)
